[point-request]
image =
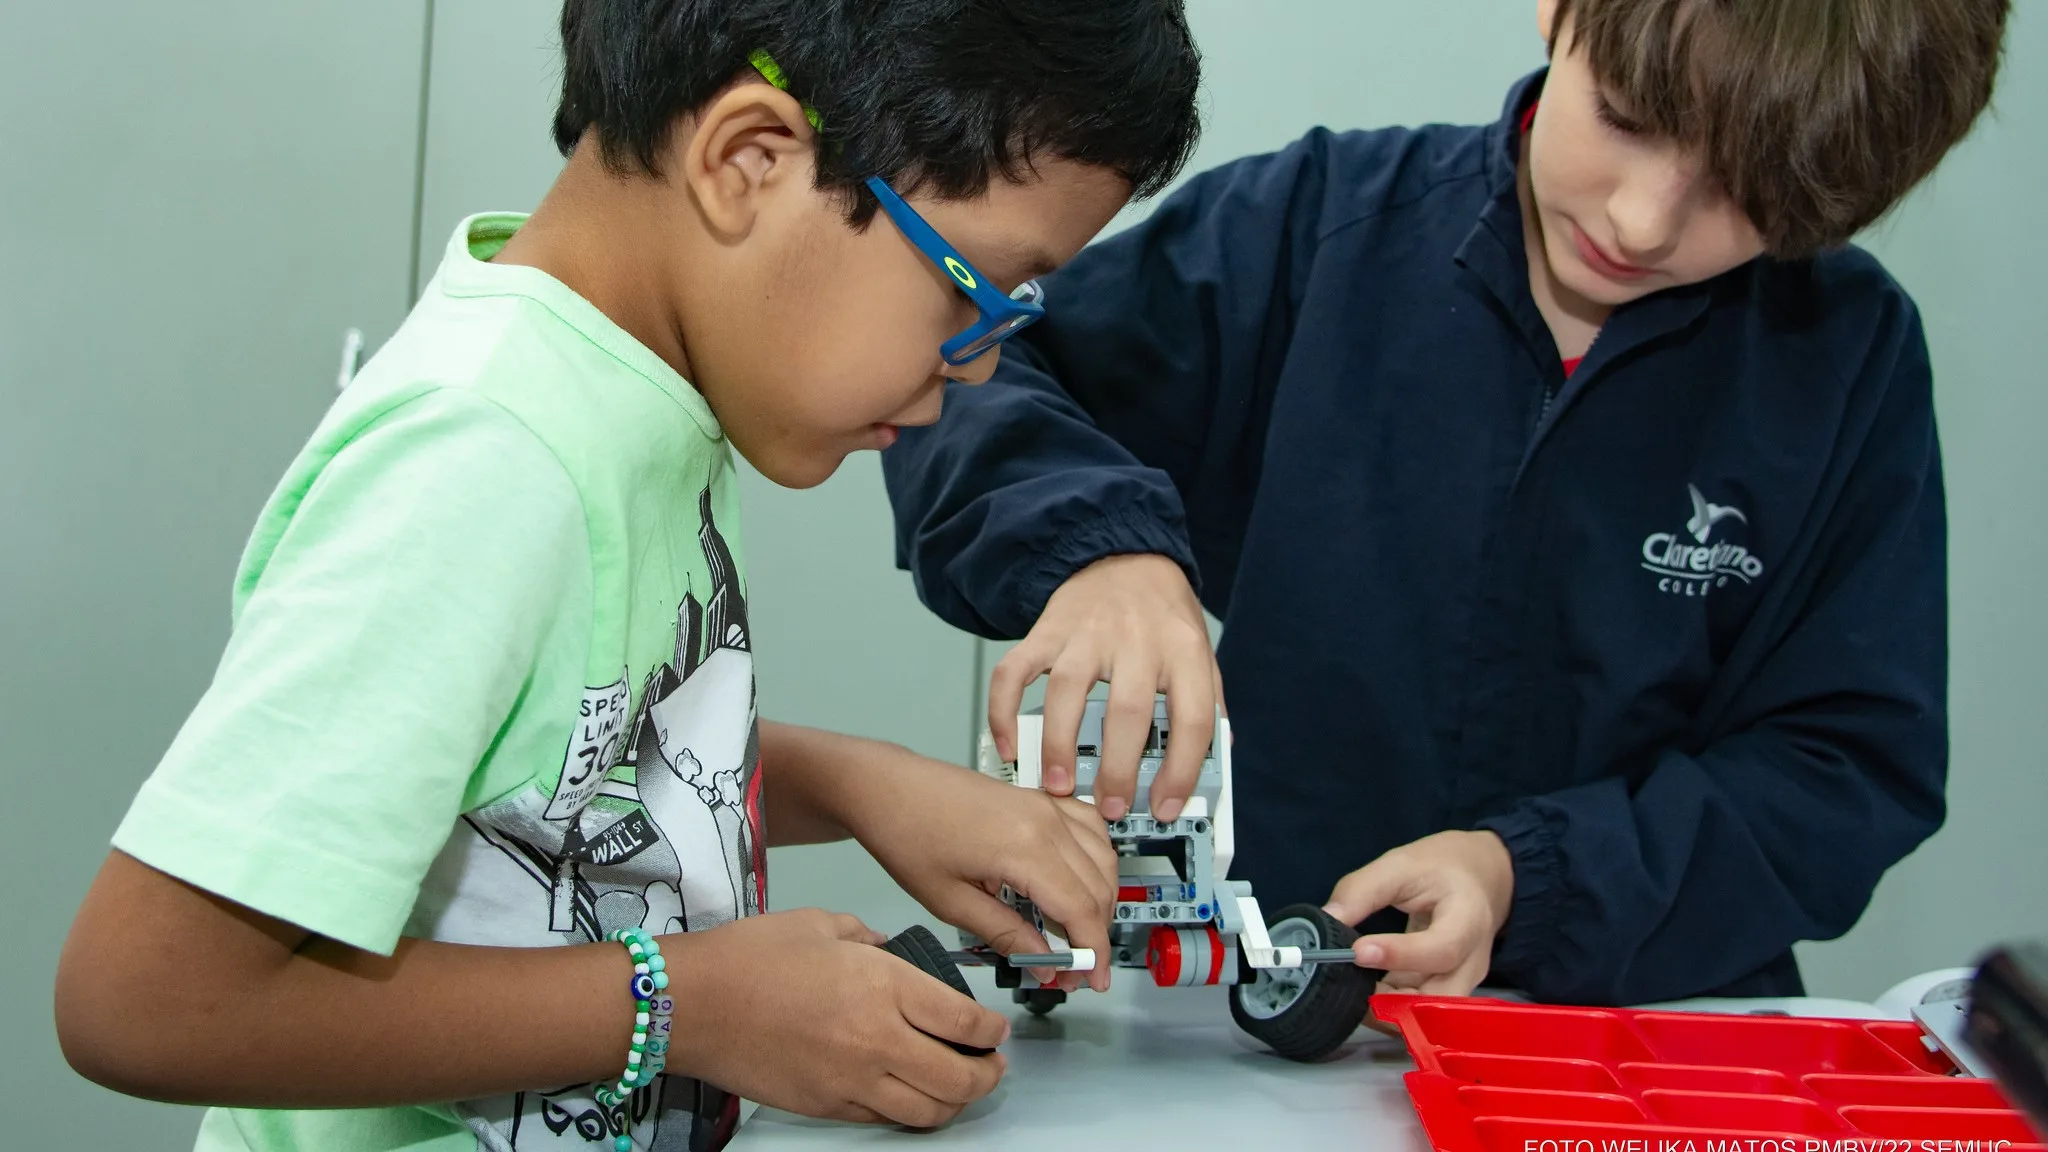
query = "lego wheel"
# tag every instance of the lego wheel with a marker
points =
(1304, 1013)
(1039, 1001)
(917, 945)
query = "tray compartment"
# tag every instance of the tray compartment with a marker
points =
(1791, 1046)
(1908, 1091)
(1731, 1110)
(1934, 1125)
(1501, 1077)
(1699, 1078)
(1509, 1134)
(1515, 1031)
(1531, 1104)
(1527, 1072)
(1911, 1045)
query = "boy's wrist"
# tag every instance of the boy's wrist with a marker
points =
(692, 981)
(1495, 868)
(869, 782)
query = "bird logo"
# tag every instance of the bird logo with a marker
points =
(1705, 515)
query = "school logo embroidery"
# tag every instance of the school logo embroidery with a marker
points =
(1698, 566)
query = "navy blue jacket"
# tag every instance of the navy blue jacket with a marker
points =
(1674, 627)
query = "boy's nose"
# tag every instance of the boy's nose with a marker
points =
(975, 371)
(1648, 214)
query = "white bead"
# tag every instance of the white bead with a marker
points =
(640, 1020)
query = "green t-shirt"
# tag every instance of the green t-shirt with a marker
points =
(489, 682)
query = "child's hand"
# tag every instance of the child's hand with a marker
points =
(801, 1010)
(953, 838)
(1134, 622)
(1456, 888)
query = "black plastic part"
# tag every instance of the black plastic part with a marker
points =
(1039, 1001)
(917, 945)
(1328, 1011)
(1008, 975)
(2008, 1024)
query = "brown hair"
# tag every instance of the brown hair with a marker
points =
(1817, 115)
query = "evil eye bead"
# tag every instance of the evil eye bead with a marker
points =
(643, 986)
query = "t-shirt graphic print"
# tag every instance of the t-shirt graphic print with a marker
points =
(668, 839)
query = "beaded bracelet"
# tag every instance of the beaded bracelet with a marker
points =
(651, 1013)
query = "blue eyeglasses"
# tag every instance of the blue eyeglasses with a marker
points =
(1001, 316)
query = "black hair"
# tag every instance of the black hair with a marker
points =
(932, 95)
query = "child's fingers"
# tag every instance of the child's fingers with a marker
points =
(932, 1008)
(900, 1102)
(850, 928)
(1455, 931)
(1092, 835)
(1126, 723)
(993, 921)
(1073, 675)
(1403, 982)
(1013, 673)
(1378, 885)
(1434, 952)
(1460, 981)
(1191, 706)
(1065, 892)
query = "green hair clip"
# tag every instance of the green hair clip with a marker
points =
(772, 73)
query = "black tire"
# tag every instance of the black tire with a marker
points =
(1325, 1010)
(1039, 1001)
(917, 945)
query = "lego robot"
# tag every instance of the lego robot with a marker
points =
(1294, 985)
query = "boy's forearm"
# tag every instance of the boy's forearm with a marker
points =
(818, 781)
(238, 1009)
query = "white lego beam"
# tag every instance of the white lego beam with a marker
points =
(1223, 839)
(1256, 944)
(1030, 751)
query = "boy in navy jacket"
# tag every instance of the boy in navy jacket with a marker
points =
(1568, 488)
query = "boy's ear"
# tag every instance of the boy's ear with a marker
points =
(748, 139)
(1546, 21)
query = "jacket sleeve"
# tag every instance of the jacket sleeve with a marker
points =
(1138, 396)
(1817, 772)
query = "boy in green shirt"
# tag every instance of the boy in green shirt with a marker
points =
(489, 697)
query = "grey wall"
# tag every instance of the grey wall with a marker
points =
(1969, 249)
(205, 196)
(196, 200)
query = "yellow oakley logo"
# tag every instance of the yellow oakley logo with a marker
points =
(960, 272)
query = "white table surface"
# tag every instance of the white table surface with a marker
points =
(1143, 1067)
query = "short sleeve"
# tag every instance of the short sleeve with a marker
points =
(427, 584)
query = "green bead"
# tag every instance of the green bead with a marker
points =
(660, 980)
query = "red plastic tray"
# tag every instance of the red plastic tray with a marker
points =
(1498, 1077)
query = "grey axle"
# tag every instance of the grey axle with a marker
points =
(978, 958)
